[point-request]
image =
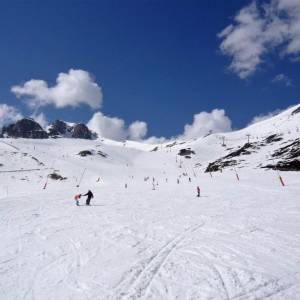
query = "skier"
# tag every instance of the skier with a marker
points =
(77, 197)
(198, 191)
(89, 195)
(190, 180)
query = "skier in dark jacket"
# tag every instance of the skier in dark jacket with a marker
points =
(89, 195)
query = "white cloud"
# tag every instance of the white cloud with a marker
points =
(108, 127)
(137, 130)
(155, 140)
(73, 89)
(8, 114)
(205, 122)
(243, 42)
(115, 128)
(258, 30)
(41, 119)
(284, 79)
(262, 117)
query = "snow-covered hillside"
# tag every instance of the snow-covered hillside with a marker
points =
(154, 239)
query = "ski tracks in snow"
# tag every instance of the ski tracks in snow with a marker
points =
(137, 283)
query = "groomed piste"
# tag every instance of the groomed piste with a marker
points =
(146, 234)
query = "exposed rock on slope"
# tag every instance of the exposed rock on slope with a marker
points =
(81, 131)
(25, 128)
(296, 111)
(289, 156)
(28, 128)
(273, 138)
(84, 153)
(228, 161)
(186, 152)
(291, 165)
(56, 176)
(59, 128)
(290, 151)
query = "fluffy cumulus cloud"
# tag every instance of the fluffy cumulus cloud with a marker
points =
(156, 140)
(282, 79)
(259, 29)
(108, 127)
(115, 128)
(72, 89)
(8, 114)
(207, 122)
(266, 116)
(41, 119)
(137, 130)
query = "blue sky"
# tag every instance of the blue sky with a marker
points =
(156, 61)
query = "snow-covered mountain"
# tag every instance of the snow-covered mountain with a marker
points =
(147, 235)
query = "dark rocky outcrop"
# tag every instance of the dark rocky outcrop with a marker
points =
(28, 128)
(244, 150)
(84, 153)
(58, 128)
(289, 157)
(273, 138)
(80, 131)
(219, 164)
(56, 176)
(290, 165)
(25, 128)
(296, 111)
(228, 161)
(186, 152)
(171, 145)
(289, 151)
(62, 129)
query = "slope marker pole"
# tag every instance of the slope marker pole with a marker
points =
(278, 174)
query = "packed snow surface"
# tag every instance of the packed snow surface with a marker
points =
(154, 239)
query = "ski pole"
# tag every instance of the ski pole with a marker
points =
(81, 178)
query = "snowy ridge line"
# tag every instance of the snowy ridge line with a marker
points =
(143, 276)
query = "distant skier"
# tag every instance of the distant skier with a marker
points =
(77, 197)
(198, 191)
(89, 195)
(190, 180)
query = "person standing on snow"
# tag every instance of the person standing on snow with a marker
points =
(89, 195)
(77, 197)
(198, 191)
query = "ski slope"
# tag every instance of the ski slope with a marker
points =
(239, 240)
